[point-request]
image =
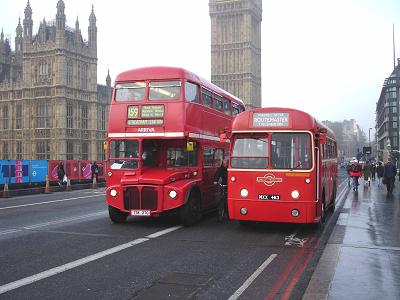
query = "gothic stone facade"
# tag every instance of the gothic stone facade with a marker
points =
(236, 48)
(50, 104)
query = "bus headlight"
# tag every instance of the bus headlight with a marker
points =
(295, 194)
(113, 192)
(295, 213)
(173, 194)
(243, 211)
(244, 193)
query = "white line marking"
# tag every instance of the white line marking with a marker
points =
(64, 220)
(162, 232)
(253, 276)
(46, 202)
(57, 270)
(9, 231)
(59, 221)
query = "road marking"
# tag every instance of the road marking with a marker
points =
(58, 221)
(9, 231)
(47, 202)
(291, 240)
(253, 276)
(57, 270)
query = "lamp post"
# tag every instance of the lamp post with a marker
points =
(369, 137)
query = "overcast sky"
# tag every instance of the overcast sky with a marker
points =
(326, 57)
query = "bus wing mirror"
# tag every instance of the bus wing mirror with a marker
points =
(322, 139)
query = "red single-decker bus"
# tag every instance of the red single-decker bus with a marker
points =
(283, 167)
(163, 143)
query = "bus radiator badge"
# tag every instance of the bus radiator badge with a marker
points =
(269, 179)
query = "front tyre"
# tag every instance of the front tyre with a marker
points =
(116, 215)
(190, 213)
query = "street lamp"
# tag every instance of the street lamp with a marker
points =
(369, 137)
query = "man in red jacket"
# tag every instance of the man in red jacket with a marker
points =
(355, 173)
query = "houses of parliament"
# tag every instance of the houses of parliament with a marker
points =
(51, 106)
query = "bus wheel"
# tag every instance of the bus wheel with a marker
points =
(116, 215)
(190, 213)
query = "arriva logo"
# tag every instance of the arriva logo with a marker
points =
(146, 129)
(269, 179)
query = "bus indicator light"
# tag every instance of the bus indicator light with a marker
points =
(307, 180)
(233, 178)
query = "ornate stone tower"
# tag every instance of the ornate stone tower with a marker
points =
(236, 48)
(51, 105)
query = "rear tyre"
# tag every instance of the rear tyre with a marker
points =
(116, 215)
(190, 213)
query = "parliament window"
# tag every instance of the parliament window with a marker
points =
(18, 116)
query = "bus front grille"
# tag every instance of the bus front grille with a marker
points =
(144, 199)
(149, 198)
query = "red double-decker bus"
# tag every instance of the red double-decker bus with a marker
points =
(163, 143)
(283, 167)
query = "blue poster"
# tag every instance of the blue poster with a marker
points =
(23, 171)
(39, 169)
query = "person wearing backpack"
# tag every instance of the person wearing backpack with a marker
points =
(355, 173)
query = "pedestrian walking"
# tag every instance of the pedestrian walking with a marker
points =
(60, 173)
(95, 170)
(373, 171)
(367, 173)
(379, 173)
(389, 174)
(355, 173)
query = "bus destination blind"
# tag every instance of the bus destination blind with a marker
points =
(145, 115)
(276, 119)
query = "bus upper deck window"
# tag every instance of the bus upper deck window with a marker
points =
(131, 91)
(227, 107)
(165, 90)
(192, 92)
(235, 109)
(207, 98)
(218, 103)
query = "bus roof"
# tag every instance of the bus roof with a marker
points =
(163, 73)
(277, 118)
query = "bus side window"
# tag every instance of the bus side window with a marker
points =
(218, 103)
(235, 109)
(227, 107)
(207, 98)
(192, 92)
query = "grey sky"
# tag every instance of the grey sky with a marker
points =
(327, 57)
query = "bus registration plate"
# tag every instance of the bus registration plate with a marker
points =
(268, 197)
(140, 212)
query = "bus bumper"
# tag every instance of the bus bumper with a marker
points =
(272, 211)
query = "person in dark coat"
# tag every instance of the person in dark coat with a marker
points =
(373, 171)
(379, 173)
(95, 170)
(389, 174)
(60, 173)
